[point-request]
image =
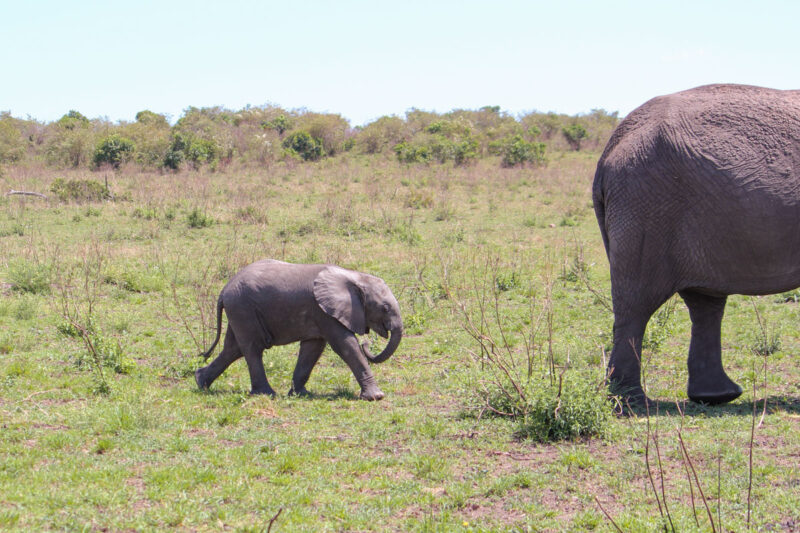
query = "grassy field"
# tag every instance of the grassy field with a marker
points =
(105, 304)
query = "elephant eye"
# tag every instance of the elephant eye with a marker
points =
(385, 308)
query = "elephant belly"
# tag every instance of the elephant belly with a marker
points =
(743, 255)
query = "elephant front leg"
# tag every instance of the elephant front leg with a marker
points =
(708, 382)
(347, 347)
(255, 365)
(310, 351)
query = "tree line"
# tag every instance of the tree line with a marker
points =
(214, 137)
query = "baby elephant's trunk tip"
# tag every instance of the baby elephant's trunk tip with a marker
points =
(394, 340)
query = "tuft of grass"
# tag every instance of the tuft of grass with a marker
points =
(30, 277)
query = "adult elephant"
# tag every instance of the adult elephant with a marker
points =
(698, 193)
(271, 303)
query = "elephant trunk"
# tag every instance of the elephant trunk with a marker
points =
(391, 346)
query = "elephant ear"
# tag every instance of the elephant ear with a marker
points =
(338, 294)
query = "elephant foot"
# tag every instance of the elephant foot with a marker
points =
(630, 394)
(268, 391)
(371, 395)
(302, 391)
(200, 379)
(719, 391)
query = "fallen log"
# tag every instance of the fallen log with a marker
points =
(26, 193)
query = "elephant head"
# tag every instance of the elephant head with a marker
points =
(361, 302)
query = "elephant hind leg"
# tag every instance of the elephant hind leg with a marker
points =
(633, 308)
(708, 382)
(310, 352)
(230, 352)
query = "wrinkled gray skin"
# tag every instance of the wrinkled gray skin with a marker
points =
(698, 193)
(271, 303)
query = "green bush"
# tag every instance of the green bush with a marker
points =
(114, 150)
(517, 151)
(574, 134)
(80, 190)
(412, 153)
(173, 159)
(202, 151)
(304, 145)
(573, 406)
(198, 219)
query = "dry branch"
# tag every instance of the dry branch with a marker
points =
(12, 192)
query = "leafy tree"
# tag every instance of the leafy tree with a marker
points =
(377, 135)
(12, 142)
(151, 135)
(73, 120)
(149, 118)
(173, 159)
(280, 124)
(575, 133)
(71, 141)
(330, 130)
(209, 134)
(113, 150)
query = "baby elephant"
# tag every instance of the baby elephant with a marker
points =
(273, 303)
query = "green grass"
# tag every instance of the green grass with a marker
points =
(150, 452)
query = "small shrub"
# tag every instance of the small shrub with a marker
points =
(79, 190)
(767, 343)
(418, 199)
(571, 408)
(506, 282)
(574, 134)
(198, 219)
(108, 354)
(412, 153)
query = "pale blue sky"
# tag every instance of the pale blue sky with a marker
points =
(365, 59)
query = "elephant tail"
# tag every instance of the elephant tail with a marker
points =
(598, 200)
(220, 306)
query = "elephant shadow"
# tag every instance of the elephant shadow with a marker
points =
(337, 394)
(775, 404)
